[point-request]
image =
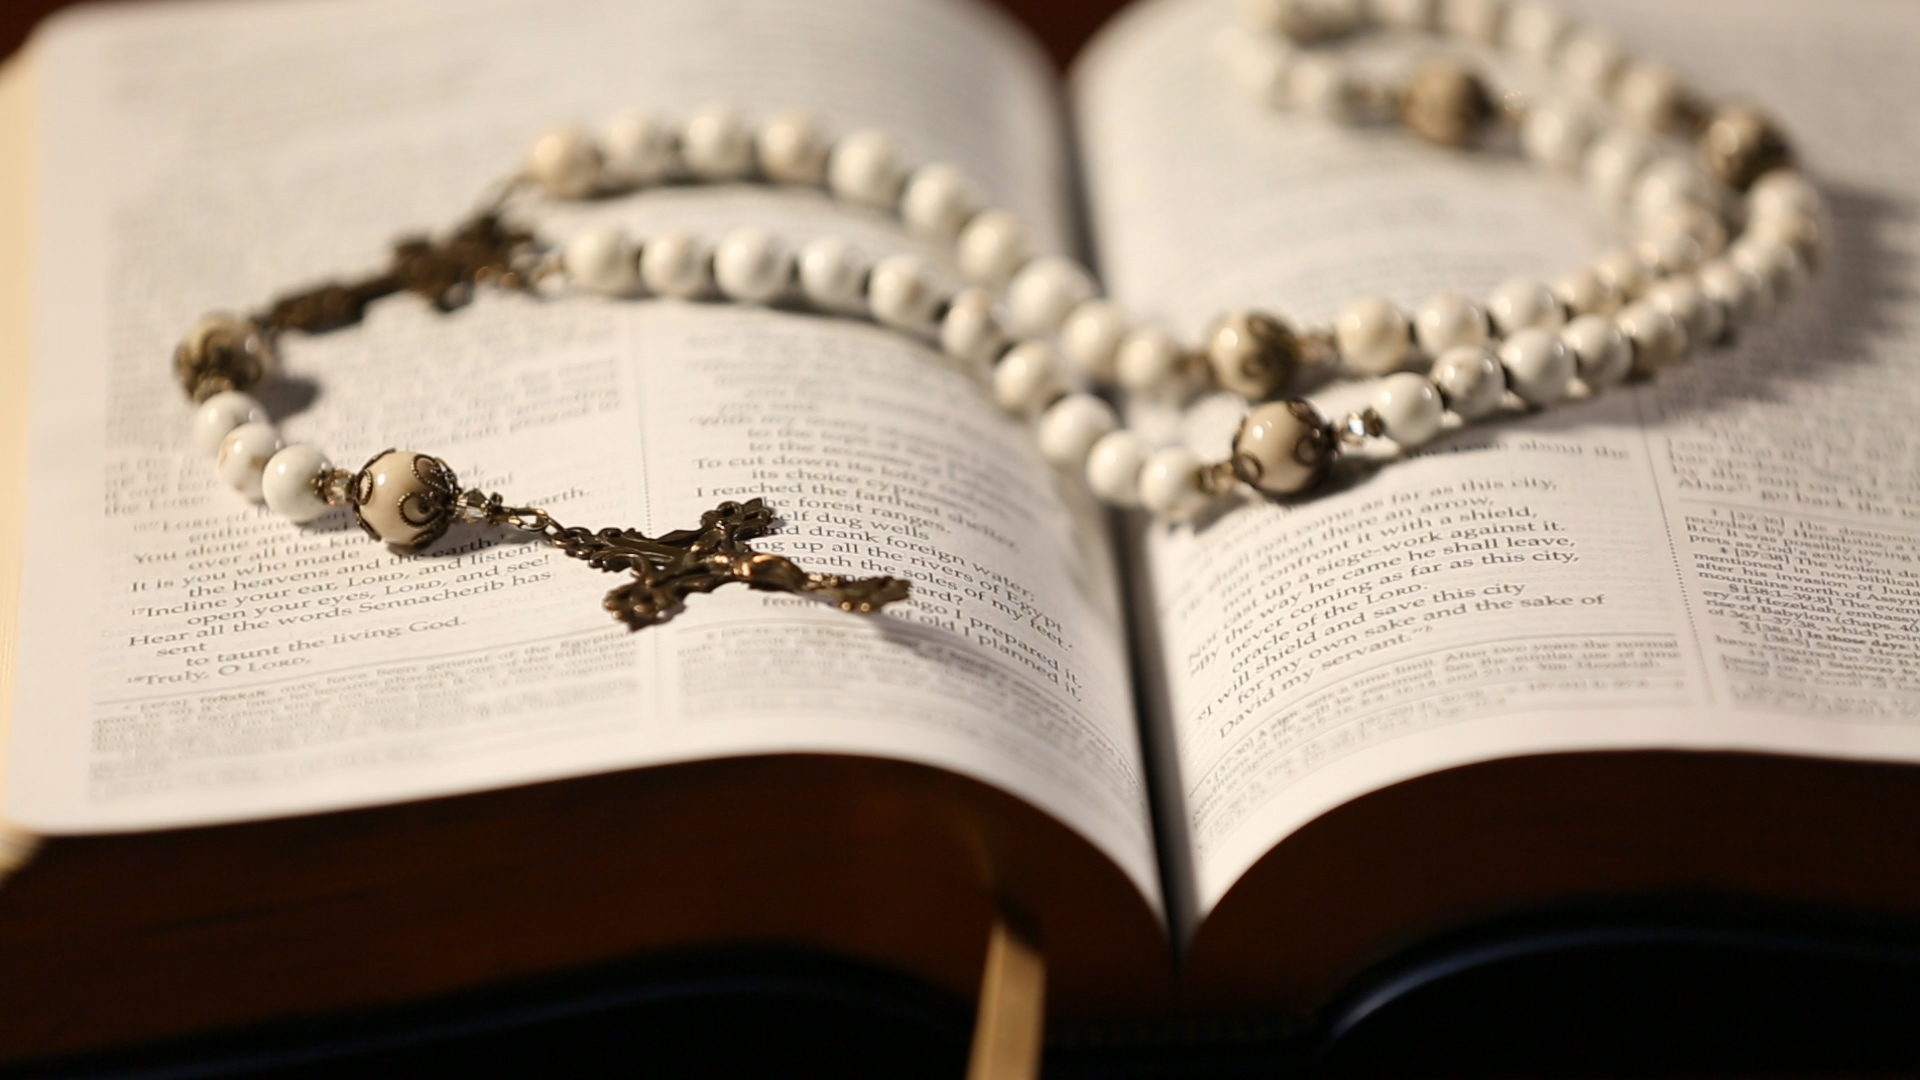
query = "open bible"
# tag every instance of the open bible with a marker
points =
(1663, 641)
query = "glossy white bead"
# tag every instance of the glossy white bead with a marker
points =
(1150, 362)
(1801, 232)
(830, 272)
(291, 483)
(969, 332)
(1651, 94)
(640, 149)
(1590, 60)
(1671, 182)
(1403, 14)
(1534, 30)
(1623, 270)
(1741, 294)
(865, 168)
(752, 266)
(217, 416)
(1587, 292)
(1027, 378)
(1113, 467)
(602, 260)
(1170, 484)
(1692, 220)
(1373, 336)
(1614, 163)
(1540, 368)
(565, 163)
(676, 264)
(243, 455)
(1070, 427)
(1782, 191)
(1409, 408)
(1773, 263)
(901, 292)
(1521, 303)
(1601, 353)
(1470, 380)
(1683, 298)
(1090, 339)
(1668, 253)
(1557, 134)
(716, 144)
(793, 148)
(1322, 85)
(1043, 292)
(1448, 321)
(1474, 20)
(937, 201)
(1657, 338)
(991, 247)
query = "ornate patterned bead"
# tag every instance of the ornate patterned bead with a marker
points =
(1252, 354)
(291, 483)
(1447, 105)
(1282, 448)
(1740, 145)
(222, 352)
(404, 498)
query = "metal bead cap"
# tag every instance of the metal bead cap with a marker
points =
(1283, 448)
(1252, 354)
(222, 352)
(404, 498)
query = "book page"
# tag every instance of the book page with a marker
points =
(1725, 558)
(188, 658)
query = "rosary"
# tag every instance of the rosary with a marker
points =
(1726, 229)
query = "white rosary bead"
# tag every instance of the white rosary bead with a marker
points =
(291, 483)
(1801, 232)
(1781, 192)
(901, 292)
(1587, 292)
(716, 144)
(1448, 321)
(1372, 335)
(1657, 338)
(1774, 263)
(1666, 253)
(937, 202)
(1150, 362)
(1534, 30)
(1027, 379)
(1600, 352)
(1519, 304)
(865, 168)
(1113, 467)
(675, 264)
(751, 266)
(1322, 85)
(1740, 294)
(1473, 20)
(1591, 60)
(1090, 339)
(1651, 94)
(1671, 182)
(217, 416)
(640, 148)
(1539, 367)
(991, 247)
(1470, 379)
(1170, 484)
(1409, 408)
(565, 163)
(1412, 15)
(793, 149)
(1557, 134)
(1042, 293)
(243, 456)
(1070, 427)
(1624, 271)
(1692, 220)
(1614, 163)
(1684, 299)
(830, 274)
(969, 332)
(602, 260)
